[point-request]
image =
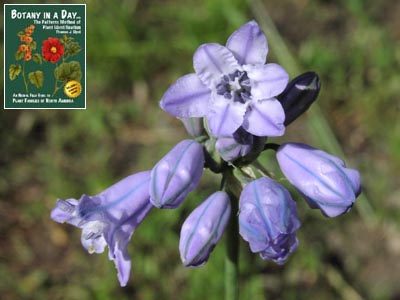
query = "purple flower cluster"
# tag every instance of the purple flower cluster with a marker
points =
(231, 105)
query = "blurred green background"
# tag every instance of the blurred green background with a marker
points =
(135, 50)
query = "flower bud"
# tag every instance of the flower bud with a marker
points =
(299, 94)
(176, 174)
(194, 126)
(240, 144)
(321, 178)
(202, 230)
(234, 146)
(268, 219)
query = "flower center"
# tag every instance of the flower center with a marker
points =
(53, 49)
(235, 86)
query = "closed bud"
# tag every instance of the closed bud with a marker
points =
(234, 146)
(202, 230)
(299, 94)
(321, 178)
(268, 219)
(176, 174)
(194, 126)
(240, 144)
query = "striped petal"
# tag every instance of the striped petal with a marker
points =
(267, 81)
(225, 117)
(265, 118)
(249, 44)
(212, 61)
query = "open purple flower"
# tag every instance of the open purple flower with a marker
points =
(109, 218)
(204, 227)
(232, 86)
(268, 219)
(320, 177)
(176, 174)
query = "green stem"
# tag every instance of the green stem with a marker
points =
(262, 170)
(232, 240)
(232, 258)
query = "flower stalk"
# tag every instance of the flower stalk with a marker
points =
(232, 255)
(233, 187)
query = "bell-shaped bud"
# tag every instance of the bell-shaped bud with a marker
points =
(268, 219)
(299, 94)
(238, 145)
(176, 174)
(109, 218)
(234, 146)
(321, 178)
(202, 230)
(194, 126)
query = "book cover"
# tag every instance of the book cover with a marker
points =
(44, 56)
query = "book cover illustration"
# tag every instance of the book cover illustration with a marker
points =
(44, 56)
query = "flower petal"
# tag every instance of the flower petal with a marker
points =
(355, 180)
(212, 61)
(267, 81)
(249, 44)
(187, 97)
(225, 117)
(66, 211)
(265, 118)
(123, 264)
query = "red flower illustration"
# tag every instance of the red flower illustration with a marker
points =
(52, 50)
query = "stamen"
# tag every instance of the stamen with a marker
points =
(91, 249)
(221, 88)
(235, 86)
(90, 235)
(227, 95)
(93, 230)
(246, 96)
(65, 206)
